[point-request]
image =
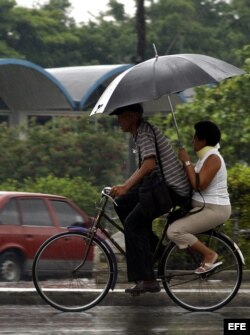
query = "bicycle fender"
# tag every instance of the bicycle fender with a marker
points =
(237, 249)
(107, 247)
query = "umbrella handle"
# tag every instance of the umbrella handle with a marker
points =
(175, 122)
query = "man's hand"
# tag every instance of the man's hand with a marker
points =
(146, 168)
(118, 190)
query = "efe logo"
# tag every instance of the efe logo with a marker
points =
(236, 326)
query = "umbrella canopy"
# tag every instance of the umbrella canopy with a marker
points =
(163, 75)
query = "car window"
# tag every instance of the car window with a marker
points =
(9, 214)
(35, 213)
(66, 215)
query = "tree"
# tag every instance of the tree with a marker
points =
(48, 36)
(44, 34)
(141, 31)
(6, 30)
(60, 10)
(6, 7)
(208, 27)
(168, 20)
(65, 147)
(116, 10)
(239, 190)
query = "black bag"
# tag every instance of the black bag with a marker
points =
(186, 208)
(154, 196)
(182, 211)
(154, 193)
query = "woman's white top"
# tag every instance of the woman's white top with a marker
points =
(217, 191)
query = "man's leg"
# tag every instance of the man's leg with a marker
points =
(137, 238)
(126, 204)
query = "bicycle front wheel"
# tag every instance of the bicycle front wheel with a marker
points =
(204, 292)
(72, 273)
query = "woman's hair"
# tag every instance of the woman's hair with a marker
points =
(207, 130)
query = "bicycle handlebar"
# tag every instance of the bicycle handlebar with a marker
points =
(106, 191)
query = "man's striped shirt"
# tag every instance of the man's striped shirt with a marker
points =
(173, 171)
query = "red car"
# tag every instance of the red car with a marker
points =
(26, 221)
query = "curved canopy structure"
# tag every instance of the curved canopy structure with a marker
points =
(28, 90)
(86, 84)
(26, 86)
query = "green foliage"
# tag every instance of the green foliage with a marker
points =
(207, 27)
(116, 10)
(239, 189)
(77, 189)
(48, 36)
(44, 35)
(68, 156)
(65, 147)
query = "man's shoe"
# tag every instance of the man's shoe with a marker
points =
(143, 287)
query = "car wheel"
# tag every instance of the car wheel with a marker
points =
(10, 267)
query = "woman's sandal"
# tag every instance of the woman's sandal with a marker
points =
(206, 267)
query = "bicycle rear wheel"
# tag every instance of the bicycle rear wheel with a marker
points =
(206, 292)
(61, 277)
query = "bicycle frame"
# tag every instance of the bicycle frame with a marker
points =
(234, 246)
(93, 233)
(97, 225)
(174, 267)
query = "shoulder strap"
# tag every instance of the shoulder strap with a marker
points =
(157, 151)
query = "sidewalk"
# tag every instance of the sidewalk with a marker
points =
(25, 294)
(15, 296)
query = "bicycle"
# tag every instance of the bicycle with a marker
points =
(84, 267)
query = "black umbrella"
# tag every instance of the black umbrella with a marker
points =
(163, 75)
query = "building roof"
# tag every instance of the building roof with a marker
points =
(85, 84)
(27, 86)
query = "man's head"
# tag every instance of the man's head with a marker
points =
(135, 108)
(129, 117)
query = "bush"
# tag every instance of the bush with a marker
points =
(239, 189)
(64, 147)
(80, 191)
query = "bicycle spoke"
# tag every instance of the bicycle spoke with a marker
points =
(212, 290)
(70, 274)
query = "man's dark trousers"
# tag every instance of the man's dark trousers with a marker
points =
(139, 238)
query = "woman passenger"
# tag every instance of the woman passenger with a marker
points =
(209, 180)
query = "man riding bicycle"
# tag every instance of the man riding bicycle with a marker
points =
(139, 238)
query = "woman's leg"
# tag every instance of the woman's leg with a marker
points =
(183, 231)
(209, 256)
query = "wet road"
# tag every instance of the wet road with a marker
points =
(119, 320)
